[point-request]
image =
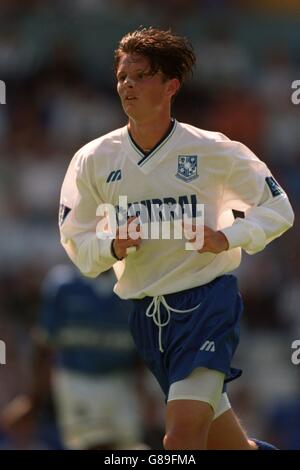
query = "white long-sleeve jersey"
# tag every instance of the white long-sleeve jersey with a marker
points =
(190, 165)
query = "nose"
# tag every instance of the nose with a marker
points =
(129, 82)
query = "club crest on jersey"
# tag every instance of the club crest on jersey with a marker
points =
(187, 167)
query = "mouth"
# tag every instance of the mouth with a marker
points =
(129, 98)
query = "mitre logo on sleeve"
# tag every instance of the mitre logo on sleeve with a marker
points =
(187, 167)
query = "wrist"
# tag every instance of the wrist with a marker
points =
(223, 240)
(112, 250)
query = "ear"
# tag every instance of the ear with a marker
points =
(173, 86)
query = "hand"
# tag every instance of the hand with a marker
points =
(214, 241)
(18, 419)
(132, 238)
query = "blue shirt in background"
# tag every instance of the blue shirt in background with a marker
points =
(86, 322)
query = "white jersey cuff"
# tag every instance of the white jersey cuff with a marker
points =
(105, 250)
(237, 236)
(245, 234)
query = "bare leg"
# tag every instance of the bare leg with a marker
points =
(187, 425)
(226, 433)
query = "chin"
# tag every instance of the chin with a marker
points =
(129, 110)
(131, 114)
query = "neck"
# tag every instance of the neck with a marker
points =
(148, 134)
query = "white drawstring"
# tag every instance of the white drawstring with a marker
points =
(155, 314)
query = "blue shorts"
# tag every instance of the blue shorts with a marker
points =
(206, 337)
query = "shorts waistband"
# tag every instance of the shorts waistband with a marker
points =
(173, 297)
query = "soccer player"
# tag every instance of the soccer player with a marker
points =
(187, 305)
(84, 354)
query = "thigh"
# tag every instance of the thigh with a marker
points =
(145, 333)
(190, 418)
(204, 385)
(208, 336)
(192, 403)
(226, 433)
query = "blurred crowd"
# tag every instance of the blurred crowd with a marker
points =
(56, 59)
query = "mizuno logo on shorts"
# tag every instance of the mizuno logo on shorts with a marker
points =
(208, 346)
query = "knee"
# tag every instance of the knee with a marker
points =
(172, 441)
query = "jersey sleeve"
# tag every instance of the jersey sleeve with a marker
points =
(78, 220)
(252, 189)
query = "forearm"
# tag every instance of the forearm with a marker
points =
(91, 255)
(261, 225)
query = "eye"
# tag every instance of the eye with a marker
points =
(121, 78)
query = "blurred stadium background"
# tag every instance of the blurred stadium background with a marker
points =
(56, 60)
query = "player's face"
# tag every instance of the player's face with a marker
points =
(143, 95)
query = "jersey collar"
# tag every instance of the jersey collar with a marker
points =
(148, 161)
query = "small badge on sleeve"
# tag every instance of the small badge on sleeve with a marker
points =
(63, 212)
(274, 187)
